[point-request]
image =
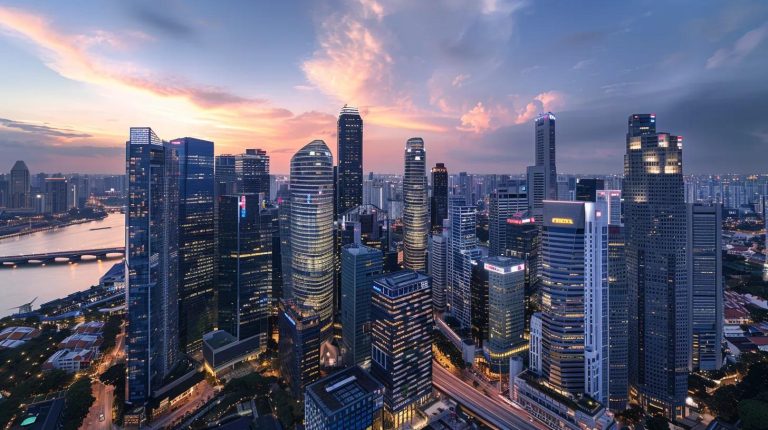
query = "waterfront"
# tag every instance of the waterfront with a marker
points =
(20, 285)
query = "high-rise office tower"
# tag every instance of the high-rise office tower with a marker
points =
(478, 301)
(401, 338)
(56, 195)
(19, 186)
(613, 200)
(286, 256)
(504, 202)
(462, 248)
(349, 176)
(586, 189)
(225, 175)
(574, 287)
(3, 190)
(244, 269)
(439, 206)
(617, 320)
(465, 187)
(415, 216)
(196, 241)
(542, 176)
(360, 265)
(151, 263)
(298, 345)
(438, 255)
(347, 400)
(658, 289)
(705, 273)
(252, 169)
(506, 310)
(312, 250)
(522, 242)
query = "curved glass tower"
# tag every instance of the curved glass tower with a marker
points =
(312, 230)
(415, 209)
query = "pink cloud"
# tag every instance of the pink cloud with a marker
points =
(477, 120)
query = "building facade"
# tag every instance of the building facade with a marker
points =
(657, 276)
(504, 202)
(506, 310)
(542, 176)
(299, 346)
(360, 265)
(401, 338)
(312, 240)
(347, 400)
(197, 251)
(349, 181)
(19, 186)
(415, 206)
(439, 201)
(252, 170)
(152, 258)
(438, 254)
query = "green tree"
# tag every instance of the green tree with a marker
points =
(631, 416)
(753, 414)
(724, 402)
(77, 401)
(115, 375)
(657, 422)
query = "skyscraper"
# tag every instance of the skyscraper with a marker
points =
(56, 195)
(438, 255)
(152, 247)
(244, 269)
(18, 188)
(401, 337)
(574, 284)
(613, 200)
(347, 400)
(415, 217)
(462, 248)
(542, 177)
(299, 345)
(504, 202)
(506, 310)
(196, 241)
(617, 320)
(706, 277)
(252, 169)
(439, 209)
(657, 284)
(312, 249)
(225, 175)
(522, 242)
(360, 265)
(349, 176)
(586, 189)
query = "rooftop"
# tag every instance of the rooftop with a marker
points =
(343, 388)
(219, 338)
(583, 402)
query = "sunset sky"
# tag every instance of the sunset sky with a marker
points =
(467, 76)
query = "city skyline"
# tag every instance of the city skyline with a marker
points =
(481, 79)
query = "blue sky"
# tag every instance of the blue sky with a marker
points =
(467, 76)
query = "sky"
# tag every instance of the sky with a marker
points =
(469, 76)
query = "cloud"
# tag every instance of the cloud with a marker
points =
(161, 20)
(582, 64)
(459, 80)
(46, 130)
(372, 8)
(743, 47)
(549, 101)
(477, 120)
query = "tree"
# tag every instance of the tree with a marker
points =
(77, 401)
(631, 416)
(755, 382)
(753, 414)
(657, 422)
(115, 375)
(724, 402)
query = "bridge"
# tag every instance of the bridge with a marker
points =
(62, 257)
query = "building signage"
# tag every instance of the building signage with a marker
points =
(567, 221)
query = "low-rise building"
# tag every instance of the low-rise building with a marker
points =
(70, 360)
(558, 411)
(11, 337)
(222, 351)
(79, 341)
(347, 400)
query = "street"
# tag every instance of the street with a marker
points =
(490, 408)
(202, 393)
(104, 394)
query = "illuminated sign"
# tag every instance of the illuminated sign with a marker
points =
(518, 221)
(503, 270)
(241, 205)
(562, 221)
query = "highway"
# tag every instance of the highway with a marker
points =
(490, 408)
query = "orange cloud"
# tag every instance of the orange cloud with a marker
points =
(477, 120)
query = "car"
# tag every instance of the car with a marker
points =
(101, 417)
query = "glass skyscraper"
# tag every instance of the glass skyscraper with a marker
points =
(415, 206)
(152, 258)
(312, 241)
(19, 186)
(542, 177)
(360, 265)
(706, 276)
(401, 337)
(252, 169)
(504, 202)
(657, 279)
(244, 270)
(349, 185)
(439, 209)
(196, 241)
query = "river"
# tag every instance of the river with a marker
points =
(24, 283)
